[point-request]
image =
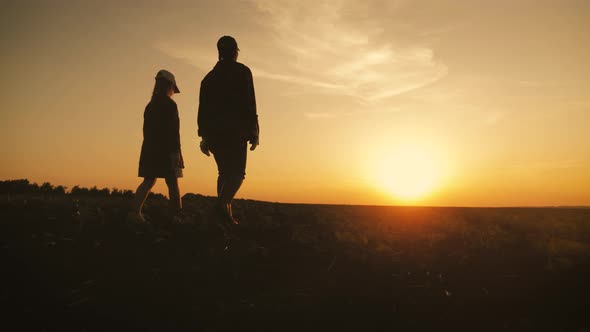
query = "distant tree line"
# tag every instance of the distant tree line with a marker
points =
(23, 186)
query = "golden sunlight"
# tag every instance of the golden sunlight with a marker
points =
(410, 172)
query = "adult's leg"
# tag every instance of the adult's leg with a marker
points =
(235, 169)
(174, 194)
(230, 188)
(232, 168)
(220, 180)
(141, 194)
(220, 154)
(230, 157)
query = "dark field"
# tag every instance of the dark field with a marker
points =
(292, 267)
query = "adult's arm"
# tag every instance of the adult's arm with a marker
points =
(204, 112)
(253, 127)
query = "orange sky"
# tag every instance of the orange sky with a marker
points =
(494, 94)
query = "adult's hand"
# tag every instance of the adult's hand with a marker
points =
(204, 147)
(254, 142)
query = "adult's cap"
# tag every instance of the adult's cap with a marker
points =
(227, 43)
(168, 76)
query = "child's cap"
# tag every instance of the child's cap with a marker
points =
(168, 76)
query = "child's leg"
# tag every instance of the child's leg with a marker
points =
(174, 194)
(141, 194)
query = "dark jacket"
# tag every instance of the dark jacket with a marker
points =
(161, 139)
(227, 103)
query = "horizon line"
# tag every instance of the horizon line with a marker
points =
(329, 204)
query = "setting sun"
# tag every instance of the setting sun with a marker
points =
(410, 172)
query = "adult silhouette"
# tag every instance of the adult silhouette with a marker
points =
(227, 121)
(161, 156)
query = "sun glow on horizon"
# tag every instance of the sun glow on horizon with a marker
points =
(410, 172)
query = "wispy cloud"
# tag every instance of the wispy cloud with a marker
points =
(335, 46)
